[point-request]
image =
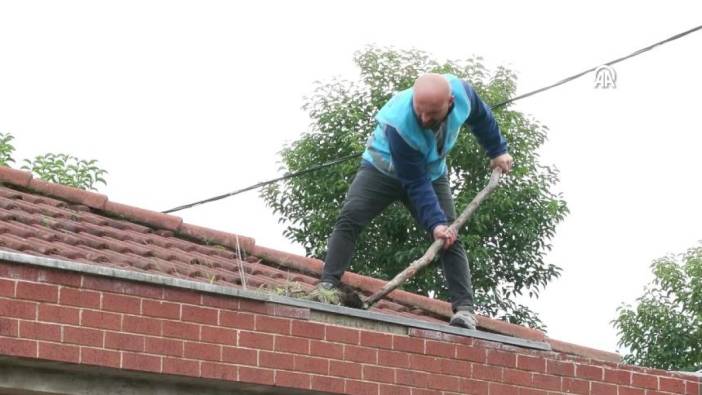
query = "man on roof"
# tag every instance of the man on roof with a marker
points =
(405, 160)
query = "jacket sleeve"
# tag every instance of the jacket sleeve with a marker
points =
(483, 125)
(410, 167)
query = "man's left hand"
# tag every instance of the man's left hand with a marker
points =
(504, 162)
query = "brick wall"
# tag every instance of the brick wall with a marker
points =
(85, 319)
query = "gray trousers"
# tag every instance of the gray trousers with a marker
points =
(370, 193)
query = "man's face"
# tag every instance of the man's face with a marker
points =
(430, 113)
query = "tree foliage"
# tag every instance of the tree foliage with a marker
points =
(506, 239)
(664, 330)
(58, 168)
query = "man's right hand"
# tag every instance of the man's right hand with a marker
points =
(446, 233)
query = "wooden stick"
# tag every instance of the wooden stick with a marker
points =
(436, 246)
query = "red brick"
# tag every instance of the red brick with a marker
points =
(427, 391)
(255, 375)
(343, 335)
(262, 341)
(360, 354)
(474, 387)
(560, 368)
(517, 377)
(307, 329)
(468, 353)
(354, 387)
(292, 344)
(99, 319)
(575, 386)
(426, 363)
(39, 292)
(219, 371)
(602, 389)
(532, 364)
(311, 364)
(617, 376)
(99, 357)
(501, 358)
(18, 347)
(59, 352)
(589, 372)
(327, 384)
(441, 349)
(243, 356)
(300, 313)
(444, 383)
(154, 308)
(292, 379)
(345, 369)
(111, 284)
(39, 331)
(486, 372)
(455, 367)
(547, 382)
(20, 271)
(693, 388)
(161, 346)
(181, 330)
(18, 309)
(121, 303)
(124, 341)
(203, 315)
(631, 391)
(7, 288)
(378, 374)
(182, 295)
(376, 340)
(79, 297)
(148, 363)
(236, 320)
(412, 378)
(147, 326)
(387, 389)
(60, 277)
(532, 391)
(393, 358)
(502, 389)
(218, 335)
(275, 360)
(204, 351)
(83, 336)
(671, 385)
(644, 380)
(9, 327)
(408, 344)
(181, 367)
(254, 306)
(220, 302)
(272, 324)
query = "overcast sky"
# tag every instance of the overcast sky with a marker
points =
(183, 100)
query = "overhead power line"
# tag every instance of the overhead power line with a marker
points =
(498, 105)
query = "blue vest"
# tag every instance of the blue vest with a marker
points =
(399, 114)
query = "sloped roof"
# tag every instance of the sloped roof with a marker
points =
(56, 221)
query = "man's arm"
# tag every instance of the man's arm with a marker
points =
(483, 125)
(410, 167)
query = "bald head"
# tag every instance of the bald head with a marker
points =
(431, 99)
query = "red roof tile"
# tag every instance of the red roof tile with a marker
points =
(51, 220)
